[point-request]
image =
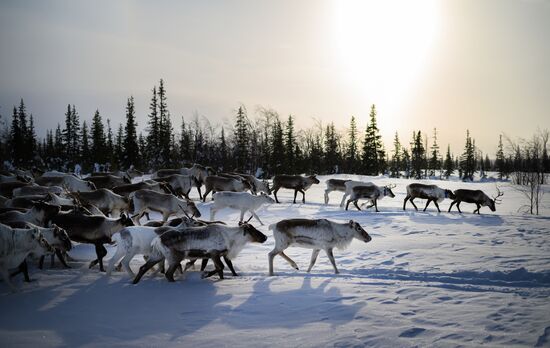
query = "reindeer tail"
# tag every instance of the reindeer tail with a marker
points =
(156, 249)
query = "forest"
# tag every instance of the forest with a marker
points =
(266, 140)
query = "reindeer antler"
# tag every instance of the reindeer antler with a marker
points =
(499, 194)
(179, 205)
(250, 218)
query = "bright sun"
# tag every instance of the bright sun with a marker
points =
(381, 46)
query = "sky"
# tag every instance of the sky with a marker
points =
(452, 65)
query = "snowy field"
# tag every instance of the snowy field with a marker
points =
(426, 279)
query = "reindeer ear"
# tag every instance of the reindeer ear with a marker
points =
(351, 223)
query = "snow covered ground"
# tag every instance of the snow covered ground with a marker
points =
(426, 279)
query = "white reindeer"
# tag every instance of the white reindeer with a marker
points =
(314, 234)
(242, 201)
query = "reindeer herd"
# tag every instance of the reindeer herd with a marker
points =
(43, 213)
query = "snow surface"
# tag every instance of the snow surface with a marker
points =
(426, 279)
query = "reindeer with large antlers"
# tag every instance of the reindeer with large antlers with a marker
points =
(476, 197)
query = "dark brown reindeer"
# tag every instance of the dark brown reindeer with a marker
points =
(476, 197)
(297, 183)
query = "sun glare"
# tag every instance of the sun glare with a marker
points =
(382, 46)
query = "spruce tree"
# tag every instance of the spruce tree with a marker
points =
(165, 127)
(71, 136)
(119, 147)
(131, 147)
(406, 162)
(241, 140)
(468, 159)
(433, 163)
(395, 163)
(278, 147)
(109, 146)
(98, 143)
(331, 148)
(373, 151)
(185, 141)
(153, 132)
(351, 152)
(223, 150)
(500, 163)
(16, 139)
(85, 152)
(32, 146)
(418, 160)
(449, 164)
(290, 146)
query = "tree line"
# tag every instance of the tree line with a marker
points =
(267, 141)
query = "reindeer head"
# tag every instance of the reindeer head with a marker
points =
(254, 235)
(359, 232)
(388, 190)
(314, 179)
(449, 194)
(62, 236)
(190, 208)
(266, 198)
(49, 210)
(43, 245)
(125, 220)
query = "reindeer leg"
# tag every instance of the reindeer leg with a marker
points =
(170, 271)
(242, 216)
(203, 264)
(218, 267)
(303, 196)
(326, 196)
(126, 264)
(206, 192)
(189, 265)
(478, 207)
(25, 269)
(347, 205)
(200, 194)
(356, 205)
(101, 252)
(437, 206)
(270, 257)
(458, 207)
(295, 193)
(405, 201)
(289, 260)
(427, 203)
(376, 205)
(343, 199)
(314, 255)
(147, 216)
(230, 265)
(414, 205)
(331, 258)
(41, 262)
(256, 217)
(61, 258)
(143, 269)
(452, 203)
(275, 190)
